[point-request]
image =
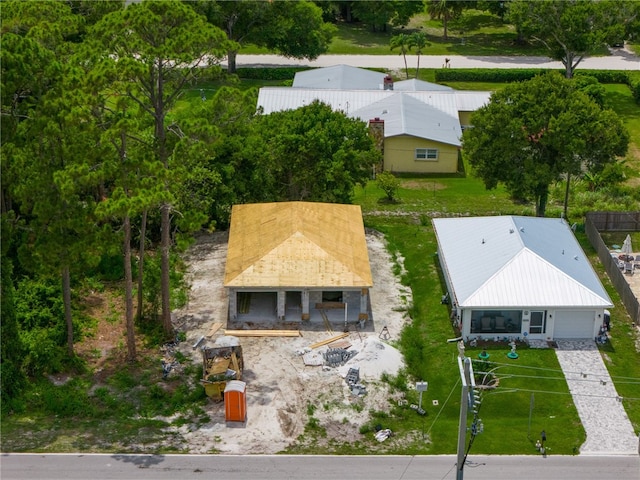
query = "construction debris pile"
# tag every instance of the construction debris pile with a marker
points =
(335, 357)
(220, 365)
(353, 380)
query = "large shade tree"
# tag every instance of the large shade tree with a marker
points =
(294, 28)
(311, 153)
(569, 29)
(379, 14)
(535, 133)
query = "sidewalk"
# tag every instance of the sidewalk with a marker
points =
(601, 412)
(621, 59)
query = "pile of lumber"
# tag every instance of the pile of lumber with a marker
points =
(263, 333)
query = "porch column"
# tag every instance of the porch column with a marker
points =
(364, 296)
(281, 304)
(305, 304)
(233, 303)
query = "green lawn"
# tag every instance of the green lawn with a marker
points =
(431, 358)
(475, 33)
(408, 230)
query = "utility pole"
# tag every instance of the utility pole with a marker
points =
(466, 399)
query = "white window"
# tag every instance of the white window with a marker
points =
(426, 154)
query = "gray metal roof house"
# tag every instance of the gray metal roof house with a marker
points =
(420, 123)
(520, 277)
(339, 77)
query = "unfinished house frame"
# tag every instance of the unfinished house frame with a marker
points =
(293, 260)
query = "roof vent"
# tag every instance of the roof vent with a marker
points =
(522, 229)
(483, 240)
(511, 230)
(576, 257)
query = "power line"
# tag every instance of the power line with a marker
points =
(564, 372)
(512, 390)
(583, 379)
(442, 407)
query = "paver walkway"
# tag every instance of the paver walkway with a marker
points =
(605, 421)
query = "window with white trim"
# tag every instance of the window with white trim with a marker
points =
(426, 154)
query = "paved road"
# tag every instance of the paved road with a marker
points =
(280, 467)
(619, 60)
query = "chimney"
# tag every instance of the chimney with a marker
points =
(376, 130)
(388, 83)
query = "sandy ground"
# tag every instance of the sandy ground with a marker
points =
(281, 389)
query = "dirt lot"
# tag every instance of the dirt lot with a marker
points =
(281, 389)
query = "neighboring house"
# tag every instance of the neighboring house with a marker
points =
(417, 137)
(339, 77)
(420, 122)
(512, 276)
(286, 260)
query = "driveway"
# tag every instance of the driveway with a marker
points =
(599, 406)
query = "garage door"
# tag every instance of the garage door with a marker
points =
(574, 324)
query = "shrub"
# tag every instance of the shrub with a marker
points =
(389, 184)
(67, 400)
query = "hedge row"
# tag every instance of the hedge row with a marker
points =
(494, 75)
(498, 75)
(269, 73)
(276, 73)
(634, 85)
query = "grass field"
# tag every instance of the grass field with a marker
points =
(476, 32)
(429, 356)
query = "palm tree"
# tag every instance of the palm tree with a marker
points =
(403, 42)
(419, 41)
(445, 10)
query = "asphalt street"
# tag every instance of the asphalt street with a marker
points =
(620, 59)
(308, 467)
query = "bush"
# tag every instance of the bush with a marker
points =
(389, 184)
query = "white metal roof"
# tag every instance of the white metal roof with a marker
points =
(276, 99)
(415, 85)
(339, 77)
(359, 94)
(470, 101)
(512, 261)
(405, 115)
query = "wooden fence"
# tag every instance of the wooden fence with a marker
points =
(616, 222)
